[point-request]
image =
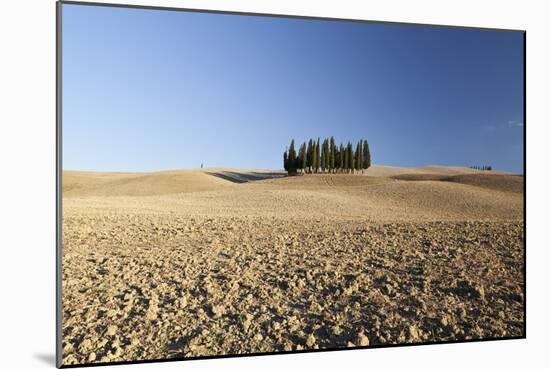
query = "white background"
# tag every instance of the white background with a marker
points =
(27, 181)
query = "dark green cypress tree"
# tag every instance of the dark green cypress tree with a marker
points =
(285, 160)
(346, 159)
(323, 157)
(350, 157)
(366, 154)
(327, 156)
(292, 158)
(341, 161)
(355, 159)
(322, 153)
(309, 154)
(336, 159)
(358, 160)
(314, 160)
(360, 150)
(332, 154)
(299, 159)
(318, 154)
(304, 157)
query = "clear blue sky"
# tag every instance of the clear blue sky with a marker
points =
(147, 90)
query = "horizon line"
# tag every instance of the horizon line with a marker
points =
(275, 169)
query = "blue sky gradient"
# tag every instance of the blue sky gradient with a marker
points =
(147, 90)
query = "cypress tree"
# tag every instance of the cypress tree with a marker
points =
(318, 154)
(358, 154)
(332, 154)
(309, 154)
(336, 159)
(299, 159)
(355, 157)
(323, 157)
(314, 160)
(366, 154)
(346, 159)
(326, 154)
(361, 159)
(341, 158)
(285, 160)
(350, 157)
(292, 158)
(304, 157)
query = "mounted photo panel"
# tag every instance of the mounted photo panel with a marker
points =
(239, 184)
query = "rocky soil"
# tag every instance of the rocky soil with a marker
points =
(148, 285)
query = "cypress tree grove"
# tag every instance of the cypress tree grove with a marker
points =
(326, 157)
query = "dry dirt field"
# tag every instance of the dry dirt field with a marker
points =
(218, 261)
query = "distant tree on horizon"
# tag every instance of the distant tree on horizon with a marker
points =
(483, 167)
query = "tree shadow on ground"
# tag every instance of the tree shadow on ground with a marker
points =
(238, 177)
